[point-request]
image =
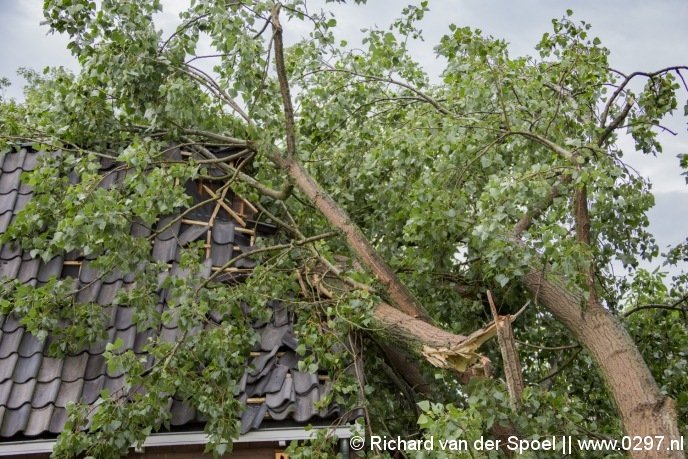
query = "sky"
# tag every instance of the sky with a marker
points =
(642, 35)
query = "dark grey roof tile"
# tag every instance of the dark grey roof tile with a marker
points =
(39, 421)
(7, 367)
(223, 232)
(89, 292)
(245, 263)
(221, 254)
(260, 415)
(74, 367)
(169, 335)
(286, 394)
(289, 340)
(11, 323)
(95, 367)
(91, 390)
(25, 189)
(124, 319)
(271, 337)
(73, 177)
(276, 379)
(289, 360)
(10, 181)
(14, 421)
(282, 413)
(305, 406)
(142, 339)
(128, 337)
(29, 345)
(252, 415)
(139, 229)
(10, 342)
(5, 391)
(45, 393)
(31, 161)
(113, 276)
(5, 220)
(27, 368)
(88, 273)
(10, 252)
(241, 385)
(99, 347)
(304, 382)
(114, 385)
(257, 387)
(13, 161)
(182, 413)
(52, 268)
(170, 226)
(58, 419)
(191, 233)
(69, 392)
(28, 271)
(108, 292)
(7, 201)
(51, 368)
(259, 365)
(280, 314)
(165, 250)
(22, 199)
(9, 268)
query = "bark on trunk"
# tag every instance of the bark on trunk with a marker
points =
(643, 409)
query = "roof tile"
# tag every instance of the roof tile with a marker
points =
(27, 368)
(39, 421)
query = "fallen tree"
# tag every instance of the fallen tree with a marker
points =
(504, 176)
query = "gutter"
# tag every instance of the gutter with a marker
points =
(283, 434)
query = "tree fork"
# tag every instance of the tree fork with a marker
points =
(398, 294)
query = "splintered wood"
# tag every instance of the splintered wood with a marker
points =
(507, 345)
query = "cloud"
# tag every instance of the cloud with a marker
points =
(27, 44)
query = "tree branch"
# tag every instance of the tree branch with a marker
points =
(283, 81)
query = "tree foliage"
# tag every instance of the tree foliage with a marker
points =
(440, 176)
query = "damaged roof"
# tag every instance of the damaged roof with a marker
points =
(36, 388)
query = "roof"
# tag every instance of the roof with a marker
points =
(36, 388)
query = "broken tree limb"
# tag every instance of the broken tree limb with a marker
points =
(440, 348)
(507, 345)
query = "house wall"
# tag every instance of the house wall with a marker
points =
(241, 451)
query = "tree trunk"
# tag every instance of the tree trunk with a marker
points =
(643, 409)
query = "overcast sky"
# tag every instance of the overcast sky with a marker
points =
(642, 35)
